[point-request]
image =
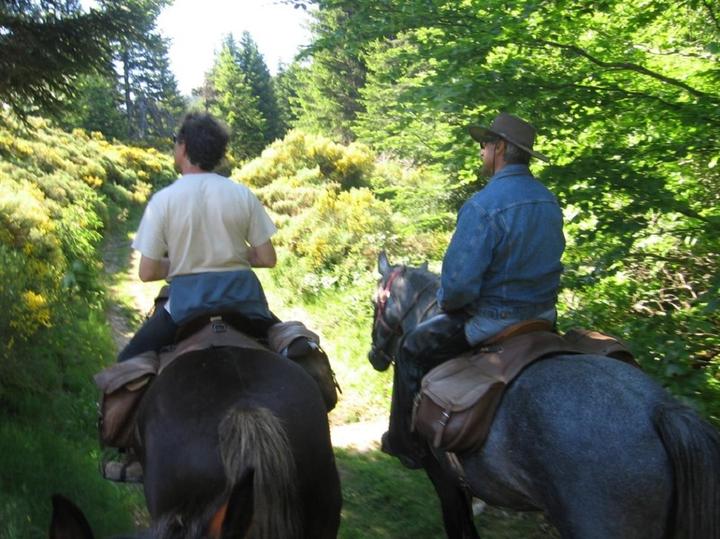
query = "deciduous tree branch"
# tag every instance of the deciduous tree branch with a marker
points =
(629, 66)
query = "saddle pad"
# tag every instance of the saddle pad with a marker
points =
(216, 333)
(458, 399)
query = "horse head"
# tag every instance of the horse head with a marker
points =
(404, 297)
(69, 522)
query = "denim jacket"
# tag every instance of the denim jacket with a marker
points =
(503, 262)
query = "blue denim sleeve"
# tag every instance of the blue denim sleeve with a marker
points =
(468, 256)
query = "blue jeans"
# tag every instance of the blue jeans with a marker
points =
(490, 322)
(159, 330)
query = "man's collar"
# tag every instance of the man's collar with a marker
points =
(511, 170)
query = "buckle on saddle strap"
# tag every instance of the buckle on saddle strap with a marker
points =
(218, 324)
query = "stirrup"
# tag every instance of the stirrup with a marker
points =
(122, 471)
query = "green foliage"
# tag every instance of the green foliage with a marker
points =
(239, 90)
(625, 98)
(152, 102)
(332, 223)
(300, 152)
(328, 90)
(252, 64)
(337, 241)
(44, 46)
(234, 102)
(285, 84)
(57, 193)
(96, 107)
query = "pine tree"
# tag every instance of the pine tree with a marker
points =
(46, 44)
(152, 101)
(285, 87)
(96, 106)
(253, 65)
(329, 98)
(233, 100)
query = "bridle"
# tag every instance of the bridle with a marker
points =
(396, 330)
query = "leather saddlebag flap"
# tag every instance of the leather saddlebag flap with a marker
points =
(118, 414)
(122, 386)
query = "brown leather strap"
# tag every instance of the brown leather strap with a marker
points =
(526, 326)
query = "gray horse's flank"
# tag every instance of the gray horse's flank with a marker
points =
(602, 450)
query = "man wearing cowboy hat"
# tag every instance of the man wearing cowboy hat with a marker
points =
(502, 267)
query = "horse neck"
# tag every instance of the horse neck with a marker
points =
(420, 300)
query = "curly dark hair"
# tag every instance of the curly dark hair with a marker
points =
(205, 139)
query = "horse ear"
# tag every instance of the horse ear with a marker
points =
(239, 510)
(383, 264)
(424, 266)
(68, 521)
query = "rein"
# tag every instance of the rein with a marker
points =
(383, 297)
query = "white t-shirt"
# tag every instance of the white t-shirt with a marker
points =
(203, 222)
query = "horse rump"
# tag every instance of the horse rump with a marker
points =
(693, 446)
(260, 500)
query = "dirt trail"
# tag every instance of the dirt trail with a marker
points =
(121, 267)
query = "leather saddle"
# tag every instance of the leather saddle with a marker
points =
(457, 400)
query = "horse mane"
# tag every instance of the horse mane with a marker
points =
(421, 276)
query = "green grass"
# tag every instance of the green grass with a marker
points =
(343, 319)
(383, 500)
(48, 441)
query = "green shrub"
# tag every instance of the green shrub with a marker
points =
(337, 241)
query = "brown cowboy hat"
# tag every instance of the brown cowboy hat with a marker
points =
(510, 128)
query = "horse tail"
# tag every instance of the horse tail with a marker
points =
(254, 440)
(693, 446)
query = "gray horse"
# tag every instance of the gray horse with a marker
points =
(595, 444)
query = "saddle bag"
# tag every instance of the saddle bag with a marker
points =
(317, 365)
(314, 361)
(118, 414)
(122, 387)
(458, 399)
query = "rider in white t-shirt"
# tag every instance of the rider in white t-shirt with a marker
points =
(203, 233)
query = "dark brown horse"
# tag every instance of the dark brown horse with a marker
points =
(593, 443)
(235, 443)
